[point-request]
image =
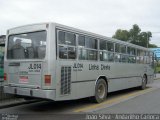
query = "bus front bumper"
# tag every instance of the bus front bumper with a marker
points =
(38, 93)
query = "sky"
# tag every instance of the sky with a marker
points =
(103, 17)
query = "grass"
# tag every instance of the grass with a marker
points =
(157, 69)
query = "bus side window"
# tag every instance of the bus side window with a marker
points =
(103, 53)
(117, 57)
(67, 43)
(70, 39)
(103, 45)
(117, 53)
(90, 42)
(62, 52)
(71, 53)
(132, 55)
(81, 41)
(92, 55)
(106, 51)
(87, 48)
(142, 57)
(124, 58)
(110, 46)
(61, 36)
(82, 54)
(111, 57)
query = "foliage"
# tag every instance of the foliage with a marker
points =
(152, 46)
(135, 36)
(121, 35)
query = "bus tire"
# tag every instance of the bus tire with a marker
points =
(144, 82)
(100, 91)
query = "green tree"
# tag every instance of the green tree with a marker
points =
(135, 36)
(121, 35)
(152, 46)
(144, 38)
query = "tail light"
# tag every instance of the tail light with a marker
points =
(47, 79)
(5, 76)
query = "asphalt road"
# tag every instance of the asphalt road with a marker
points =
(126, 101)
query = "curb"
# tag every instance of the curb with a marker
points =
(18, 103)
(156, 78)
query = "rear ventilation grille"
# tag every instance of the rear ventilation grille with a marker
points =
(65, 80)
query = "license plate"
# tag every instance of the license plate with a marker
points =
(23, 79)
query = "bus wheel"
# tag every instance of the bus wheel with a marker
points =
(144, 82)
(100, 91)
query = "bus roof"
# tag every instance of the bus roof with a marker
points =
(100, 36)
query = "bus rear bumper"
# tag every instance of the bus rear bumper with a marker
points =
(29, 92)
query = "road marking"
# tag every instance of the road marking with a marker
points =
(113, 101)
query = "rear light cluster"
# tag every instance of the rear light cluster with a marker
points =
(5, 76)
(47, 80)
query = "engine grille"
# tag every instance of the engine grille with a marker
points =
(65, 80)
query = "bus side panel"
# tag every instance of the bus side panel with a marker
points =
(82, 81)
(150, 74)
(84, 75)
(64, 76)
(125, 76)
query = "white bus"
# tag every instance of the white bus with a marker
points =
(57, 62)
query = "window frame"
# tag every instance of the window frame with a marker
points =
(87, 48)
(58, 45)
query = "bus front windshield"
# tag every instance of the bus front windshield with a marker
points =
(27, 45)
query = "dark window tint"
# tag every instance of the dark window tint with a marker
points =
(110, 46)
(90, 42)
(92, 55)
(117, 48)
(27, 45)
(131, 51)
(71, 53)
(61, 36)
(124, 58)
(123, 49)
(66, 38)
(117, 57)
(81, 40)
(103, 45)
(82, 54)
(106, 56)
(63, 52)
(70, 39)
(67, 52)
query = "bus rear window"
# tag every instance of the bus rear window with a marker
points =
(27, 45)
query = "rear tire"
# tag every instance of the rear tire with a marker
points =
(144, 82)
(100, 91)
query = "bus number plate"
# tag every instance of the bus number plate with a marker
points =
(34, 68)
(23, 79)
